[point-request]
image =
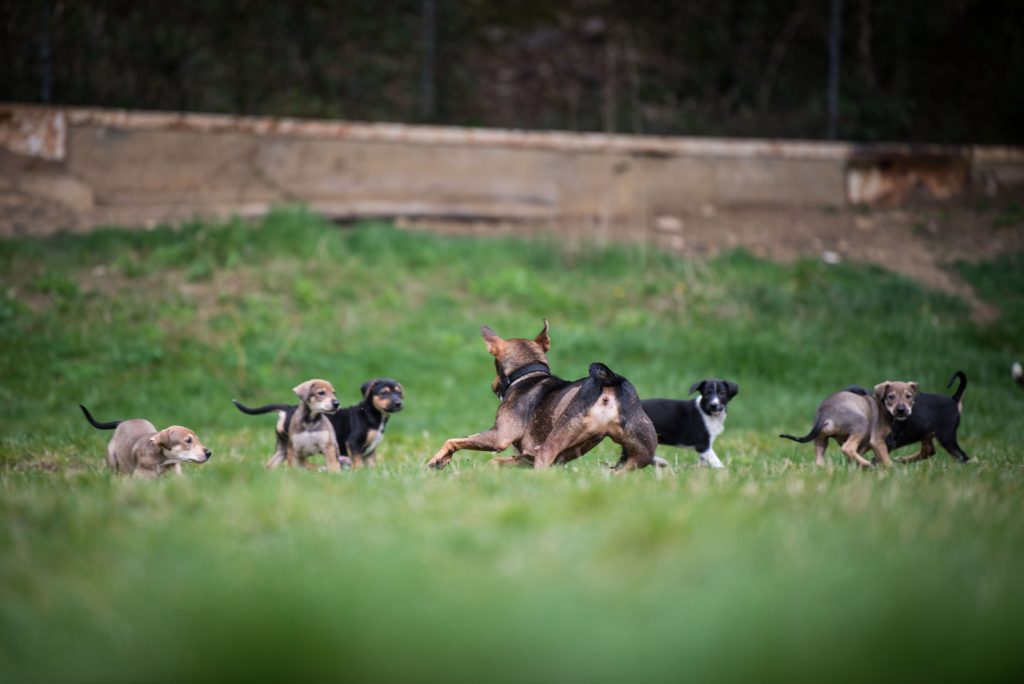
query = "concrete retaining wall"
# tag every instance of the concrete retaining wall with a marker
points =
(209, 164)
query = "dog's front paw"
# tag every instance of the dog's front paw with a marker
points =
(440, 460)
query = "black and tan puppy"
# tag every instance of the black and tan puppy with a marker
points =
(935, 416)
(549, 420)
(359, 429)
(304, 430)
(138, 449)
(859, 422)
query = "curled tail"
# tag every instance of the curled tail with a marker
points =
(815, 431)
(958, 395)
(260, 409)
(109, 425)
(603, 376)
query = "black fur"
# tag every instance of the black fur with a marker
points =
(109, 425)
(679, 423)
(934, 415)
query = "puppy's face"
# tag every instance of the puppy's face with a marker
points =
(715, 394)
(181, 444)
(385, 393)
(515, 353)
(897, 397)
(318, 395)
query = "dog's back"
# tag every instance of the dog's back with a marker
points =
(120, 450)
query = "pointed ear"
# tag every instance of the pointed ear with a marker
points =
(492, 339)
(695, 387)
(881, 389)
(367, 387)
(732, 388)
(542, 338)
(302, 390)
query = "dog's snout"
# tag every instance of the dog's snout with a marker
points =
(207, 453)
(335, 403)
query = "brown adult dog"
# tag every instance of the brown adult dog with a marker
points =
(140, 450)
(549, 420)
(859, 422)
(305, 430)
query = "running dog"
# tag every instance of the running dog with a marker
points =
(138, 449)
(859, 422)
(935, 416)
(551, 421)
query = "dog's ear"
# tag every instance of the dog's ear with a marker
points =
(303, 390)
(367, 387)
(695, 387)
(913, 386)
(492, 339)
(163, 439)
(732, 389)
(881, 389)
(542, 338)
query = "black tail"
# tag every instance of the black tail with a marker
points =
(109, 425)
(960, 389)
(603, 376)
(815, 431)
(260, 409)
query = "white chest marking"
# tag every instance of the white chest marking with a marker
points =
(715, 425)
(378, 435)
(308, 443)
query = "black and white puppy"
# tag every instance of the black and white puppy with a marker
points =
(693, 424)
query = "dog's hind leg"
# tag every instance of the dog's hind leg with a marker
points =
(850, 449)
(950, 444)
(820, 444)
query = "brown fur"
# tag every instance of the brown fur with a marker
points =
(549, 420)
(309, 431)
(138, 449)
(859, 422)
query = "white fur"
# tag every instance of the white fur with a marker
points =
(715, 425)
(308, 443)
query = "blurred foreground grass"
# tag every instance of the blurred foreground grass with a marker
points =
(772, 570)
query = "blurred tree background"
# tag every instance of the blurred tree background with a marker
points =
(936, 70)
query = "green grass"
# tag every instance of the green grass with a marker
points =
(772, 570)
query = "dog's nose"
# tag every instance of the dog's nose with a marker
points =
(207, 453)
(335, 403)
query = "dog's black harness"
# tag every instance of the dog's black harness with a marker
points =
(506, 381)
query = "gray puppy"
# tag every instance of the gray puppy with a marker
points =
(859, 422)
(140, 450)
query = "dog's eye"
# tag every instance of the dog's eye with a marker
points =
(322, 392)
(188, 440)
(891, 397)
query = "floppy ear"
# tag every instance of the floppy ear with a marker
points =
(695, 387)
(542, 337)
(913, 386)
(303, 390)
(367, 387)
(492, 339)
(163, 439)
(732, 389)
(881, 389)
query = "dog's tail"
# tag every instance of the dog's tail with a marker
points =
(260, 409)
(109, 425)
(815, 431)
(603, 376)
(958, 395)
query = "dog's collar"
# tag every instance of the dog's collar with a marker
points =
(506, 381)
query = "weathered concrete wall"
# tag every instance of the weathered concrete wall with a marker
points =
(173, 164)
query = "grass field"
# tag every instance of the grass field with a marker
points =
(772, 570)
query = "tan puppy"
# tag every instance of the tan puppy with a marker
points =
(305, 430)
(140, 450)
(859, 420)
